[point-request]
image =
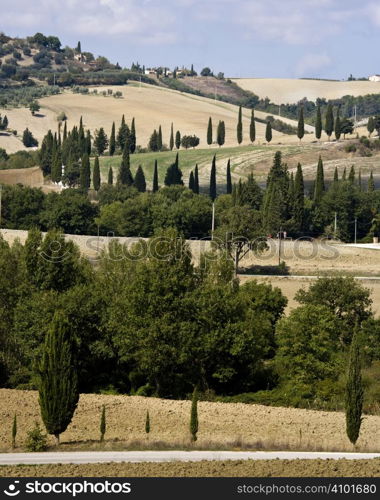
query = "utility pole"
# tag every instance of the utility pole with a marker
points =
(213, 221)
(279, 246)
(356, 230)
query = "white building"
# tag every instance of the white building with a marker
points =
(374, 78)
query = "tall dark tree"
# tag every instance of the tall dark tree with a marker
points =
(125, 176)
(318, 123)
(338, 125)
(171, 141)
(194, 424)
(139, 182)
(354, 392)
(196, 180)
(299, 200)
(85, 173)
(178, 139)
(252, 127)
(57, 377)
(103, 425)
(191, 181)
(173, 174)
(123, 135)
(276, 206)
(159, 138)
(329, 121)
(221, 133)
(351, 175)
(319, 186)
(100, 141)
(370, 126)
(153, 141)
(268, 132)
(96, 174)
(239, 128)
(371, 183)
(209, 132)
(229, 180)
(301, 124)
(110, 176)
(336, 175)
(88, 147)
(112, 146)
(155, 187)
(132, 137)
(213, 179)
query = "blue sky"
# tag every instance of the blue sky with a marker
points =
(242, 38)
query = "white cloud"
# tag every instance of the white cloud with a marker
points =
(311, 64)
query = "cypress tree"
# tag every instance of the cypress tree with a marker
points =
(209, 132)
(371, 183)
(196, 180)
(96, 174)
(338, 125)
(229, 180)
(194, 424)
(88, 142)
(319, 187)
(301, 125)
(220, 134)
(112, 146)
(125, 176)
(139, 182)
(147, 423)
(85, 173)
(268, 132)
(56, 169)
(173, 174)
(299, 199)
(64, 137)
(213, 179)
(336, 176)
(191, 181)
(103, 424)
(159, 139)
(178, 139)
(351, 175)
(329, 122)
(171, 142)
(252, 127)
(344, 176)
(239, 128)
(110, 176)
(318, 123)
(155, 187)
(14, 431)
(370, 126)
(360, 180)
(132, 137)
(275, 206)
(57, 377)
(354, 392)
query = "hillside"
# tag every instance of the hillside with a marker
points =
(288, 91)
(223, 425)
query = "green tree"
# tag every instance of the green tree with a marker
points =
(299, 200)
(96, 175)
(139, 182)
(112, 146)
(171, 141)
(57, 377)
(159, 138)
(301, 124)
(85, 173)
(153, 141)
(173, 173)
(252, 127)
(100, 141)
(319, 186)
(196, 180)
(354, 393)
(178, 139)
(147, 423)
(268, 132)
(29, 140)
(14, 431)
(220, 135)
(103, 424)
(338, 125)
(276, 204)
(213, 179)
(132, 137)
(318, 123)
(371, 126)
(229, 180)
(209, 132)
(123, 135)
(34, 107)
(194, 424)
(329, 121)
(191, 181)
(110, 176)
(125, 176)
(239, 128)
(371, 183)
(155, 177)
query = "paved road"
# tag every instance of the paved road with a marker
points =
(88, 457)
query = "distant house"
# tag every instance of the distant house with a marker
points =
(374, 78)
(150, 71)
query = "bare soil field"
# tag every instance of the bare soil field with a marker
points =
(221, 425)
(290, 91)
(31, 177)
(238, 468)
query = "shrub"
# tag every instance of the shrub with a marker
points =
(36, 440)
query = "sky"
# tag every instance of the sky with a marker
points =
(242, 38)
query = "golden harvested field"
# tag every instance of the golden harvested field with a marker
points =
(28, 177)
(151, 106)
(290, 91)
(221, 425)
(238, 468)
